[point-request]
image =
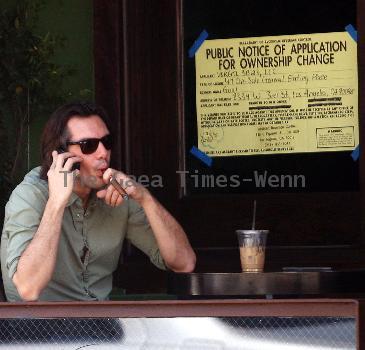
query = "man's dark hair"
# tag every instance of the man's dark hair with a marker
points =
(55, 133)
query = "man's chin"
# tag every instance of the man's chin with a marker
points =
(97, 186)
(92, 181)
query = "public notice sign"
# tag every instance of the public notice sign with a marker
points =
(278, 94)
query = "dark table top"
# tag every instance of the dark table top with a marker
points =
(286, 283)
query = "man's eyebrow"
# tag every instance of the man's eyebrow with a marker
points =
(88, 138)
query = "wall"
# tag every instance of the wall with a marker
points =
(74, 21)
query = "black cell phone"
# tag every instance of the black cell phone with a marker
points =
(75, 165)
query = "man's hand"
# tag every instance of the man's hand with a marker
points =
(37, 262)
(171, 239)
(113, 198)
(61, 178)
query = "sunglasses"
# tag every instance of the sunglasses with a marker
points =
(89, 146)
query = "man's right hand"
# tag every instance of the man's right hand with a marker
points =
(61, 178)
(37, 262)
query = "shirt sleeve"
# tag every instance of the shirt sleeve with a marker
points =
(140, 234)
(23, 214)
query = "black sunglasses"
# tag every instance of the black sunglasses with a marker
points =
(89, 146)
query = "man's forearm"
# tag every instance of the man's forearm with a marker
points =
(172, 242)
(171, 239)
(37, 263)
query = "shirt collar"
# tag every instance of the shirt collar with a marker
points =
(92, 201)
(73, 198)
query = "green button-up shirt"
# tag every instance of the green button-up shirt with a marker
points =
(90, 243)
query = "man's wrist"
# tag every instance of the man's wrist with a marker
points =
(146, 200)
(55, 205)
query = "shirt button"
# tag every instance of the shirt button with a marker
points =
(78, 215)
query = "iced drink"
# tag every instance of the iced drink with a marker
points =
(252, 245)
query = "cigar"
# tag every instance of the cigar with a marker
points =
(118, 187)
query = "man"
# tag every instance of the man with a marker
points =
(64, 230)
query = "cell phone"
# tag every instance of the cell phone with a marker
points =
(75, 166)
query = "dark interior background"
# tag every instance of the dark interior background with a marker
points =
(323, 171)
(145, 80)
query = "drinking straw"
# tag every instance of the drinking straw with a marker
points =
(254, 214)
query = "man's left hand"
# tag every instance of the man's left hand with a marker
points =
(133, 189)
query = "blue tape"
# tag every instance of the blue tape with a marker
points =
(352, 31)
(197, 43)
(356, 153)
(201, 156)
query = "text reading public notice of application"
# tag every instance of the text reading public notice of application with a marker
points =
(279, 94)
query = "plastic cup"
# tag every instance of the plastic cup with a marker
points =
(252, 244)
